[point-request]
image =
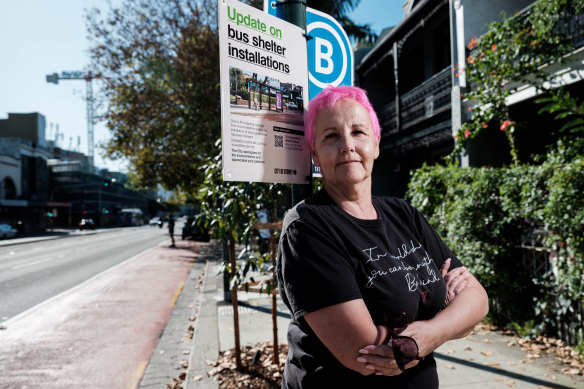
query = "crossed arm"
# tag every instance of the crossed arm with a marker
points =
(348, 331)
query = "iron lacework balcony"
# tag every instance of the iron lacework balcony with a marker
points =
(568, 24)
(427, 100)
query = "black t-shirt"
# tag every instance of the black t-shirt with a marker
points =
(327, 257)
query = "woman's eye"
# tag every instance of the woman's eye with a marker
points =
(330, 136)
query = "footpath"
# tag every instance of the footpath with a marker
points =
(201, 327)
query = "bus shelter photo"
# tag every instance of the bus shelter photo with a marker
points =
(253, 94)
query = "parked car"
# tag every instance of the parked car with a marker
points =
(87, 224)
(292, 105)
(6, 231)
(192, 230)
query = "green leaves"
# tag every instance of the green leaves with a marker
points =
(563, 106)
(160, 67)
(513, 52)
(483, 214)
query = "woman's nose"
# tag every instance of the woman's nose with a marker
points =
(347, 143)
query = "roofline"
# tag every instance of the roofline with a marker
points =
(392, 33)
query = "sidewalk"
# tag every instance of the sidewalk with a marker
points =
(485, 359)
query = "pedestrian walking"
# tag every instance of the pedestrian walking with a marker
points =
(171, 230)
(372, 288)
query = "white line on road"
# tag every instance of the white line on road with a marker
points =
(32, 263)
(17, 317)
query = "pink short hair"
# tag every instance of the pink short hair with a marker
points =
(329, 97)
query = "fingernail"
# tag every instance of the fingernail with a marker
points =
(363, 351)
(360, 359)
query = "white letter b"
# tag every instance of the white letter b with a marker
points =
(326, 55)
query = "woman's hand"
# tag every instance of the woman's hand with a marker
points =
(456, 280)
(380, 360)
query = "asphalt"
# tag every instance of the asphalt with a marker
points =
(56, 233)
(201, 326)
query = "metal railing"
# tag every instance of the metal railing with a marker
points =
(537, 261)
(569, 24)
(387, 119)
(424, 101)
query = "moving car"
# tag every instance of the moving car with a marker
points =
(87, 224)
(156, 221)
(292, 105)
(6, 231)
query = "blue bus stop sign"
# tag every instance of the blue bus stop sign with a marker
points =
(330, 57)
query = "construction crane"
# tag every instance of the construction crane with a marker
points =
(88, 77)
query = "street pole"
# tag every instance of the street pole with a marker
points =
(294, 11)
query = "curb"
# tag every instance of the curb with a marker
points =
(205, 344)
(170, 359)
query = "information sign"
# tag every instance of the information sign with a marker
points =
(263, 95)
(330, 56)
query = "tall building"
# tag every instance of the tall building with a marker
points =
(23, 171)
(44, 186)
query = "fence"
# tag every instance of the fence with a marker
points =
(538, 260)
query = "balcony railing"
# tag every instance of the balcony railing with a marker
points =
(424, 101)
(569, 25)
(387, 119)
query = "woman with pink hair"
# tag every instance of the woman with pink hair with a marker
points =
(372, 288)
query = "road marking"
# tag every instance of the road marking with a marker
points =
(138, 373)
(32, 263)
(68, 291)
(182, 284)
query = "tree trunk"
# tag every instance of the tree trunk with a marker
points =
(234, 300)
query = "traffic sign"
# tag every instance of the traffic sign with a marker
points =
(330, 57)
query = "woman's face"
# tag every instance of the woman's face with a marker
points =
(344, 144)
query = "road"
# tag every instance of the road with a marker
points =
(88, 311)
(34, 272)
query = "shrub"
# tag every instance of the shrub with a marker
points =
(483, 214)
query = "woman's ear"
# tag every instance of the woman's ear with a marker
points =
(315, 158)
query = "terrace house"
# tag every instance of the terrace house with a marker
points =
(414, 75)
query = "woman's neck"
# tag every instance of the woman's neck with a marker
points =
(355, 200)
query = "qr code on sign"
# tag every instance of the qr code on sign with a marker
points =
(279, 141)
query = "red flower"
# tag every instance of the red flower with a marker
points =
(469, 109)
(485, 125)
(494, 47)
(466, 133)
(456, 137)
(505, 124)
(457, 74)
(533, 43)
(472, 44)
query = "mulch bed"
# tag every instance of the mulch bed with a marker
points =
(259, 370)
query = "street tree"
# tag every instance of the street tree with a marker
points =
(159, 67)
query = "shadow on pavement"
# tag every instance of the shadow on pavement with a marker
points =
(500, 372)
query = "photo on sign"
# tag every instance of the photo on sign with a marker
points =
(256, 95)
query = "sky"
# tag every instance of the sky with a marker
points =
(41, 37)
